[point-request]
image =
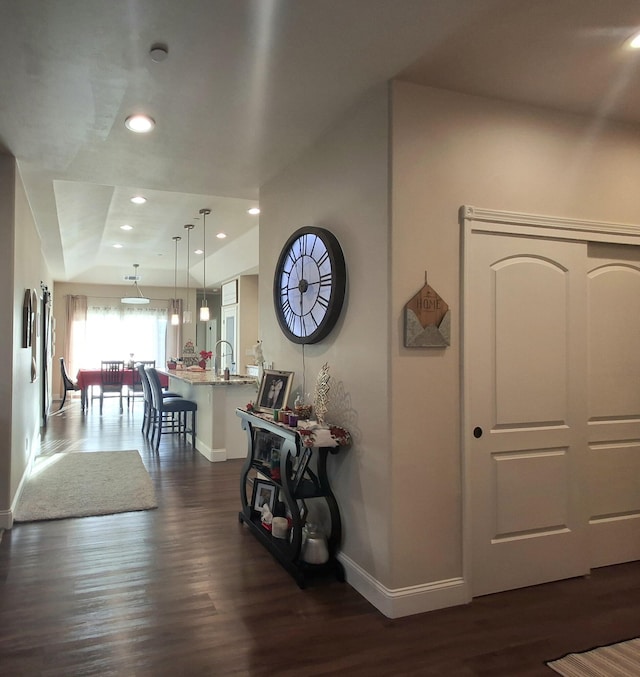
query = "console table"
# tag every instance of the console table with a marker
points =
(292, 488)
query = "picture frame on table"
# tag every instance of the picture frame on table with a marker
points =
(264, 492)
(275, 387)
(264, 443)
(299, 469)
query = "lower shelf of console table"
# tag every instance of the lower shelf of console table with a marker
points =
(302, 572)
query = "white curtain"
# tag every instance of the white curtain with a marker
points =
(75, 333)
(124, 333)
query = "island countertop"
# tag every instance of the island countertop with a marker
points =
(207, 378)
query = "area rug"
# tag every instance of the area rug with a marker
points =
(616, 660)
(81, 484)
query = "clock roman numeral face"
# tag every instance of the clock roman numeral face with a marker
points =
(308, 278)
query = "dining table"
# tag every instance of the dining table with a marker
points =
(86, 378)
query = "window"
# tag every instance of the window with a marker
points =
(114, 333)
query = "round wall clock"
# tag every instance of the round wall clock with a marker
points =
(309, 285)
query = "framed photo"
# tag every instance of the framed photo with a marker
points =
(298, 472)
(264, 492)
(274, 389)
(264, 443)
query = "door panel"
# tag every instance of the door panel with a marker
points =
(614, 408)
(533, 346)
(525, 302)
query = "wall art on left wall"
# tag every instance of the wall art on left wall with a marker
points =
(27, 319)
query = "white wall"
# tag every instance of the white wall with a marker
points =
(22, 267)
(448, 150)
(341, 184)
(11, 310)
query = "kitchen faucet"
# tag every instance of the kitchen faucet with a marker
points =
(215, 355)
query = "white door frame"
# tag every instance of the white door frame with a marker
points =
(473, 219)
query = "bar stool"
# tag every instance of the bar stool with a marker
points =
(170, 413)
(135, 389)
(149, 411)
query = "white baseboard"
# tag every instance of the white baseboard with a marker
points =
(6, 519)
(415, 599)
(212, 455)
(6, 516)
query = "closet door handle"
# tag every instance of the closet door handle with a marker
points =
(477, 432)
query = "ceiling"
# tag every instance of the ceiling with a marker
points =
(246, 86)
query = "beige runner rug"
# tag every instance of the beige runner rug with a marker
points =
(80, 484)
(616, 660)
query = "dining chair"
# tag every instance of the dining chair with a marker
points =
(135, 389)
(112, 379)
(67, 382)
(170, 413)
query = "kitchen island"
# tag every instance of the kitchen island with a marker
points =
(218, 436)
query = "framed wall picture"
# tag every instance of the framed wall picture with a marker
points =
(35, 334)
(275, 387)
(27, 319)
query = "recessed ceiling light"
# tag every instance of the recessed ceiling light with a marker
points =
(138, 200)
(253, 210)
(117, 246)
(221, 236)
(198, 251)
(139, 123)
(634, 43)
(126, 227)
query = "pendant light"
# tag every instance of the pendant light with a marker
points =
(138, 298)
(186, 315)
(204, 308)
(175, 315)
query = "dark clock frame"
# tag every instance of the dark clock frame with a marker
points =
(338, 285)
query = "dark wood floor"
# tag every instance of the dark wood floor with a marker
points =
(186, 590)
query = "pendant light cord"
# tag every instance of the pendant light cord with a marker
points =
(177, 238)
(204, 213)
(175, 319)
(189, 227)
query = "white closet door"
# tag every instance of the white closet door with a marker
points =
(525, 409)
(613, 486)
